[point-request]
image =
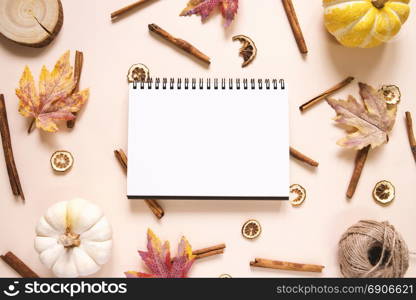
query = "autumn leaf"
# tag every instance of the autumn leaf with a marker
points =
(368, 121)
(204, 8)
(190, 6)
(55, 100)
(159, 262)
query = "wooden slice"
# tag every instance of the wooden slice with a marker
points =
(32, 23)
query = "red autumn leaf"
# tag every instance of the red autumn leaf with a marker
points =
(204, 8)
(159, 262)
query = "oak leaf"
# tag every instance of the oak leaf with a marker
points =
(56, 99)
(158, 259)
(204, 8)
(368, 121)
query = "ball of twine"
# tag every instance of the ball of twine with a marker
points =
(371, 249)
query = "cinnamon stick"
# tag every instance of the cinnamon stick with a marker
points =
(358, 168)
(155, 208)
(8, 151)
(184, 45)
(303, 158)
(19, 266)
(210, 251)
(410, 133)
(127, 8)
(79, 62)
(151, 203)
(283, 265)
(294, 23)
(325, 94)
(122, 158)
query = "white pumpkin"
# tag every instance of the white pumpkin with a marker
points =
(73, 238)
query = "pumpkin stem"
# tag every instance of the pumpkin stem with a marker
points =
(70, 240)
(379, 3)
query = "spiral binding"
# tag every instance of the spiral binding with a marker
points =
(201, 83)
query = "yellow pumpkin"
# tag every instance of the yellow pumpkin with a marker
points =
(365, 23)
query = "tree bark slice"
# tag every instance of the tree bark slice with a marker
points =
(32, 23)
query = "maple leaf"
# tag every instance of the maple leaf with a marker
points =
(56, 99)
(369, 121)
(159, 262)
(204, 8)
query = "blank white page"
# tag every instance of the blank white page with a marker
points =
(208, 144)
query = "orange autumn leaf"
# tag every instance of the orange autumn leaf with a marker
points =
(55, 99)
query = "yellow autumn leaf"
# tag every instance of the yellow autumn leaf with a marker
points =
(55, 100)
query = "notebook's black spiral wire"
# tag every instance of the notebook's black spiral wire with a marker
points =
(201, 83)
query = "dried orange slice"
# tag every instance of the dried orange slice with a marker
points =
(297, 194)
(251, 229)
(138, 72)
(62, 161)
(384, 192)
(248, 50)
(391, 94)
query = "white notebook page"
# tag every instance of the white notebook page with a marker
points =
(193, 144)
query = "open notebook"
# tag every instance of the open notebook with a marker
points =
(208, 139)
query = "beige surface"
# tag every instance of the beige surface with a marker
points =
(308, 234)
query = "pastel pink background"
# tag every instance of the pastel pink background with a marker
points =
(307, 234)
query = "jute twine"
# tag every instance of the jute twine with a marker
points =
(371, 249)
